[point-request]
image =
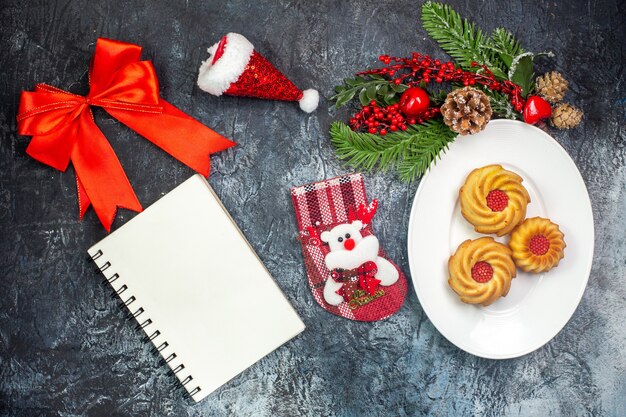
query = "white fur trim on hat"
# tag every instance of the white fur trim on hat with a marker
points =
(309, 101)
(216, 78)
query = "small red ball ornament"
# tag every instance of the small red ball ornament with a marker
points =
(536, 109)
(414, 101)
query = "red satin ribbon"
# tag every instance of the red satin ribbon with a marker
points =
(63, 128)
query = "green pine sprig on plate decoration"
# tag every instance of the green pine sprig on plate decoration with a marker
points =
(410, 151)
(409, 109)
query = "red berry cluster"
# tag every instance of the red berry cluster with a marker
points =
(376, 119)
(421, 68)
(412, 71)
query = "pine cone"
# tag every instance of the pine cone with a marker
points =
(466, 110)
(566, 116)
(551, 86)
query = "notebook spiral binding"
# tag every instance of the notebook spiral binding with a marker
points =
(141, 325)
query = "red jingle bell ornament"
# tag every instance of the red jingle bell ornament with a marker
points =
(536, 109)
(414, 102)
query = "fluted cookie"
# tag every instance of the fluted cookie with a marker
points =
(537, 244)
(481, 271)
(493, 200)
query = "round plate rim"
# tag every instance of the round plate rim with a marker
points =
(587, 202)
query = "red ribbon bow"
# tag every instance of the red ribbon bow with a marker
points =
(63, 129)
(366, 274)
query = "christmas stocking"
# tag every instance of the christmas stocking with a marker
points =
(348, 272)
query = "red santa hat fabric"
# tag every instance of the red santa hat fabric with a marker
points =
(235, 68)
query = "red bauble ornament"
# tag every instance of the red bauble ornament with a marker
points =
(414, 101)
(536, 109)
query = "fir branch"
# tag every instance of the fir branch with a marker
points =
(425, 149)
(505, 45)
(411, 151)
(501, 105)
(504, 42)
(460, 38)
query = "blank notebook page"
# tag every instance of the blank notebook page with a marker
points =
(194, 282)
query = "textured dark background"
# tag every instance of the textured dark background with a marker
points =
(65, 349)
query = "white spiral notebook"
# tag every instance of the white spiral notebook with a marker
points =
(196, 287)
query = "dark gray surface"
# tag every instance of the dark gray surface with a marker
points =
(65, 349)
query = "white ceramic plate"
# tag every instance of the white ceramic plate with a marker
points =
(537, 306)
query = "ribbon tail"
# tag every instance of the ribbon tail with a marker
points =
(177, 133)
(100, 178)
(53, 149)
(369, 284)
(342, 292)
(83, 199)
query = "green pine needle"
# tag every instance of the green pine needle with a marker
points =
(460, 38)
(410, 151)
(503, 42)
(501, 105)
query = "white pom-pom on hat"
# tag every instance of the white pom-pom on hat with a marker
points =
(235, 68)
(309, 101)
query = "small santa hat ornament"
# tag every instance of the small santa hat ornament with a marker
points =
(235, 68)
